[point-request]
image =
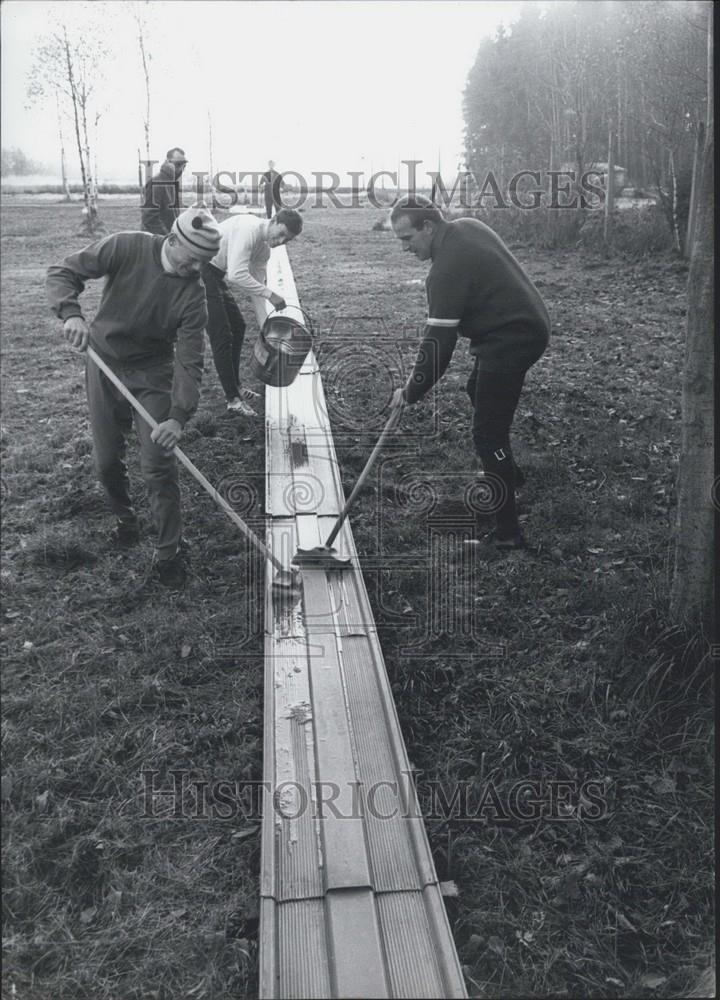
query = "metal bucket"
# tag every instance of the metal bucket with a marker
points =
(280, 350)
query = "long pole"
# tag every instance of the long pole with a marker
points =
(389, 426)
(182, 457)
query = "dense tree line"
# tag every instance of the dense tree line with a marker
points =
(546, 94)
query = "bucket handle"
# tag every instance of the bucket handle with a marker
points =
(305, 313)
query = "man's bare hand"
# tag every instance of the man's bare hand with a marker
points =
(167, 434)
(277, 300)
(76, 332)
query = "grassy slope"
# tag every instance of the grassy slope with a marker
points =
(549, 668)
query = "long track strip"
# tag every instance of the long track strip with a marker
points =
(350, 901)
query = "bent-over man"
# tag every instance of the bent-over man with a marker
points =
(476, 289)
(241, 266)
(149, 329)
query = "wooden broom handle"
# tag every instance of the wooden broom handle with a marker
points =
(192, 469)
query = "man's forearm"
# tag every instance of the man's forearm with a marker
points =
(244, 282)
(63, 287)
(187, 376)
(434, 354)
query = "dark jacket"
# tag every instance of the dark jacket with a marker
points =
(161, 201)
(477, 289)
(145, 317)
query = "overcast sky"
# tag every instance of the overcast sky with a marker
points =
(312, 85)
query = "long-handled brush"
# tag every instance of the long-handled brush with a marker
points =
(325, 556)
(285, 580)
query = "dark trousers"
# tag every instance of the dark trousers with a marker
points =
(272, 202)
(225, 330)
(111, 419)
(495, 396)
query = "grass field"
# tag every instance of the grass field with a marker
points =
(556, 668)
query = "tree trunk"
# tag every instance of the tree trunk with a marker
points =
(692, 214)
(210, 153)
(76, 116)
(90, 202)
(692, 598)
(91, 223)
(692, 590)
(146, 74)
(674, 202)
(643, 151)
(63, 162)
(609, 186)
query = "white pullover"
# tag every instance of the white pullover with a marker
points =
(244, 253)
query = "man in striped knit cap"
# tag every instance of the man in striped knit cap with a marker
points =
(149, 328)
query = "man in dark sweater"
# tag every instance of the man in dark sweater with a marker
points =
(476, 289)
(272, 184)
(162, 201)
(149, 328)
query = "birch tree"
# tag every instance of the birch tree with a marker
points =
(61, 139)
(69, 64)
(140, 13)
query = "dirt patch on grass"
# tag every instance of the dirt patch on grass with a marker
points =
(558, 669)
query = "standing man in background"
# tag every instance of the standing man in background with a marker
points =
(272, 184)
(241, 266)
(149, 329)
(162, 199)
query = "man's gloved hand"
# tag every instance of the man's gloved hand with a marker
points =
(277, 300)
(76, 332)
(167, 434)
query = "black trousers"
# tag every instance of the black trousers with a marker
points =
(225, 330)
(495, 396)
(272, 203)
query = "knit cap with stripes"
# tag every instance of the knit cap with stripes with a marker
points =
(196, 230)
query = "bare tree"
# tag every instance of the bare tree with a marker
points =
(68, 64)
(139, 11)
(692, 591)
(63, 161)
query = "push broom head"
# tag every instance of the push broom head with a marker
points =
(287, 582)
(320, 557)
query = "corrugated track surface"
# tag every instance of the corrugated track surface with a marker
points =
(350, 902)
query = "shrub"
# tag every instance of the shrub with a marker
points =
(542, 227)
(635, 231)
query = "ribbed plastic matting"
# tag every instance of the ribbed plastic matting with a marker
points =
(350, 901)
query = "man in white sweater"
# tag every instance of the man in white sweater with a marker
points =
(240, 266)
